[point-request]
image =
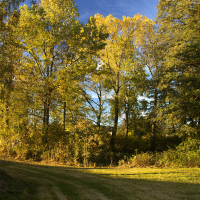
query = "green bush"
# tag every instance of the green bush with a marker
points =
(187, 154)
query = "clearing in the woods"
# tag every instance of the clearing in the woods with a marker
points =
(30, 181)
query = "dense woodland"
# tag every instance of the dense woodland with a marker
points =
(144, 73)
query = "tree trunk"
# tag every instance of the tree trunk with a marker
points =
(100, 109)
(46, 119)
(153, 130)
(126, 118)
(153, 145)
(114, 132)
(47, 102)
(7, 114)
(64, 117)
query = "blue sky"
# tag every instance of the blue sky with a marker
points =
(117, 8)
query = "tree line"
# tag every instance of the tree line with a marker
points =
(142, 70)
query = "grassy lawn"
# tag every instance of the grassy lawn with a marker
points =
(28, 181)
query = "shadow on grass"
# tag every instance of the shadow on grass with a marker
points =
(78, 184)
(15, 188)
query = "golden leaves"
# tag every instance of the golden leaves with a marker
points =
(124, 34)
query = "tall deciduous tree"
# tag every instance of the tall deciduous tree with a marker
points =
(120, 49)
(55, 42)
(44, 28)
(9, 61)
(179, 33)
(148, 44)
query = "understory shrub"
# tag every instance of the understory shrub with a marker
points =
(187, 154)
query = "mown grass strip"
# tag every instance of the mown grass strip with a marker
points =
(55, 182)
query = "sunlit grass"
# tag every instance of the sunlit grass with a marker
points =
(187, 175)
